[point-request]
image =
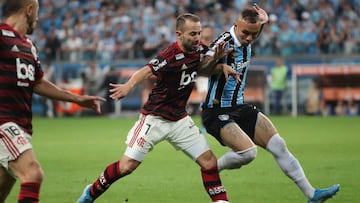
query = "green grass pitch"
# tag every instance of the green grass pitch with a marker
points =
(74, 151)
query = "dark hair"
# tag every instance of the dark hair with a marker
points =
(181, 19)
(10, 7)
(249, 14)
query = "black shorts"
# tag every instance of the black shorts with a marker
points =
(244, 115)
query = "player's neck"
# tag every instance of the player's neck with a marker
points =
(16, 22)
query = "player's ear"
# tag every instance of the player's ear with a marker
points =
(178, 33)
(29, 9)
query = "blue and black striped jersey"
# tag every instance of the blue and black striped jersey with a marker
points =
(229, 93)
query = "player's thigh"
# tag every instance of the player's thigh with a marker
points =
(7, 182)
(186, 136)
(264, 130)
(235, 138)
(27, 167)
(16, 154)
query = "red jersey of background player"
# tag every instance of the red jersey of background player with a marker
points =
(175, 73)
(19, 70)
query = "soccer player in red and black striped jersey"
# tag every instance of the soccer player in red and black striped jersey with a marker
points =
(163, 116)
(21, 76)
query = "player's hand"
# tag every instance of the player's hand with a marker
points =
(221, 51)
(229, 71)
(264, 18)
(91, 102)
(119, 91)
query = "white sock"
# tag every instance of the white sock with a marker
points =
(289, 164)
(234, 160)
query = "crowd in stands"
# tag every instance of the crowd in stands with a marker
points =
(76, 30)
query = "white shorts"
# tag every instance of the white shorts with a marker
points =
(202, 84)
(149, 130)
(13, 142)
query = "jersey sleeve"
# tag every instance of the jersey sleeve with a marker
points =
(156, 64)
(224, 37)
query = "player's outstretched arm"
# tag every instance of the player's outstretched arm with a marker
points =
(208, 65)
(119, 91)
(264, 18)
(46, 88)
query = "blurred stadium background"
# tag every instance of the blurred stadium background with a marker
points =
(320, 39)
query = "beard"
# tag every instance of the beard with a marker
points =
(30, 25)
(190, 46)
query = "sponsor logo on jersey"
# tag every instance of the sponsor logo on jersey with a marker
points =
(225, 37)
(24, 72)
(157, 64)
(184, 67)
(8, 33)
(216, 190)
(15, 49)
(141, 142)
(179, 56)
(187, 79)
(224, 117)
(242, 65)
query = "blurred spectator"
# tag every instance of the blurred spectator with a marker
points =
(52, 46)
(278, 79)
(352, 108)
(314, 101)
(90, 44)
(71, 48)
(92, 76)
(139, 46)
(266, 42)
(340, 107)
(323, 38)
(106, 46)
(152, 43)
(49, 74)
(111, 76)
(334, 23)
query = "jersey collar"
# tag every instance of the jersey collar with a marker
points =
(236, 41)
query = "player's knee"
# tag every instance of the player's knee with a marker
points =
(277, 146)
(33, 173)
(245, 157)
(207, 161)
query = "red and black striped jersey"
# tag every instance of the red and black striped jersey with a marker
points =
(175, 73)
(19, 71)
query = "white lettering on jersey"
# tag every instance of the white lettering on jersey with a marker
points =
(186, 79)
(241, 65)
(25, 71)
(157, 64)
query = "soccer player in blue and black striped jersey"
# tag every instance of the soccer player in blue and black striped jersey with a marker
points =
(241, 126)
(21, 76)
